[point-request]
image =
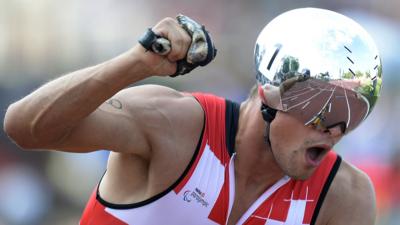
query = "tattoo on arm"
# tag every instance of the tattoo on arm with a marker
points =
(114, 103)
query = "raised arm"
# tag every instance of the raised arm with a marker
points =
(52, 116)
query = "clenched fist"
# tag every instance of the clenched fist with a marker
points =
(183, 42)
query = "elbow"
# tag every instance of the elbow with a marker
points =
(17, 129)
(10, 123)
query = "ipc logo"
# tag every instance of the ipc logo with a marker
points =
(186, 196)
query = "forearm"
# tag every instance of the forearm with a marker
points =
(49, 113)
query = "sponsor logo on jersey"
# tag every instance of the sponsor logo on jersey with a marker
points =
(196, 195)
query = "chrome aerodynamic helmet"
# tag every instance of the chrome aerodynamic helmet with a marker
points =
(319, 66)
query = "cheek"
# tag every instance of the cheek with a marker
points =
(290, 164)
(285, 137)
(284, 148)
(288, 151)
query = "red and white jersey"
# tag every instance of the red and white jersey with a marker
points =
(204, 193)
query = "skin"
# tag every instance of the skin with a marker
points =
(257, 166)
(151, 142)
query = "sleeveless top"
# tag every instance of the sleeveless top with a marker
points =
(204, 193)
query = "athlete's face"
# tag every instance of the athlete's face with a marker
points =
(299, 149)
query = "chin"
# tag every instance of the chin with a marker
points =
(300, 176)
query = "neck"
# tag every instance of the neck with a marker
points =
(255, 164)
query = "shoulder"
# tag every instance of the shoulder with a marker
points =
(350, 199)
(151, 93)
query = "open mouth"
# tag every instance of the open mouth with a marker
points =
(314, 155)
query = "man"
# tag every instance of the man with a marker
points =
(193, 158)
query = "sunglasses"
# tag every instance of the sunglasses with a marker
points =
(320, 104)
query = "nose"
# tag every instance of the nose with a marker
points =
(335, 131)
(338, 129)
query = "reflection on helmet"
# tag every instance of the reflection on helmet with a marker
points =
(319, 66)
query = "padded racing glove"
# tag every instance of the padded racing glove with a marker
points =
(201, 51)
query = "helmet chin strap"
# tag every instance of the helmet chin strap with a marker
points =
(268, 115)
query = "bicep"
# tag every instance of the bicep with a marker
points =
(136, 120)
(109, 127)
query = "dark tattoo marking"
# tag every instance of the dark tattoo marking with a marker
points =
(114, 103)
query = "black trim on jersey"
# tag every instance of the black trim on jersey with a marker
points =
(231, 124)
(325, 189)
(159, 195)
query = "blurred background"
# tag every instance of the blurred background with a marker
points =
(43, 39)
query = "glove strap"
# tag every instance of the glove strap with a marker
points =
(212, 51)
(147, 39)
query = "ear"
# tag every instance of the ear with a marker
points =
(271, 96)
(261, 94)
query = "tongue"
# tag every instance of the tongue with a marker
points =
(313, 154)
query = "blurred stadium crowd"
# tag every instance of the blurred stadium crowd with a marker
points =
(42, 39)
